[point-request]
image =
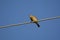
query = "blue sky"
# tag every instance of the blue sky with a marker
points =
(17, 11)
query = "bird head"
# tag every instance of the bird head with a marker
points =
(30, 15)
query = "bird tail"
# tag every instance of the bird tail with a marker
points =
(37, 24)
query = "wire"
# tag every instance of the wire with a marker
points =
(49, 19)
(30, 22)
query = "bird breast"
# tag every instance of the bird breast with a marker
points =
(34, 19)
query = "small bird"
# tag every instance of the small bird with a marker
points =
(34, 19)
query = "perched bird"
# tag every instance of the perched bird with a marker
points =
(34, 19)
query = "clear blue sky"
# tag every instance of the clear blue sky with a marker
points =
(17, 11)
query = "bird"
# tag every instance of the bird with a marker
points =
(34, 20)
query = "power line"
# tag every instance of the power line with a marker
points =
(49, 19)
(30, 22)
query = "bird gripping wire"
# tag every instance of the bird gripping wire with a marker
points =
(30, 22)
